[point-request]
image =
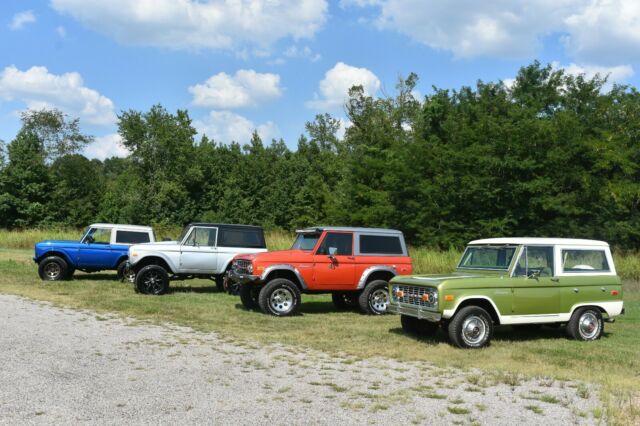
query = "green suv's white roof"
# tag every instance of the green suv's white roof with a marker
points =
(542, 241)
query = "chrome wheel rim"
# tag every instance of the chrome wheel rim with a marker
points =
(588, 325)
(281, 300)
(152, 281)
(379, 300)
(474, 330)
(129, 275)
(52, 270)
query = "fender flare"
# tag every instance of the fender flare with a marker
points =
(370, 270)
(449, 313)
(284, 267)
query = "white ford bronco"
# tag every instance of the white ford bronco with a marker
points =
(203, 250)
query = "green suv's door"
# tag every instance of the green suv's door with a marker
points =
(535, 289)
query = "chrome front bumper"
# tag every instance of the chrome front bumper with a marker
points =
(414, 311)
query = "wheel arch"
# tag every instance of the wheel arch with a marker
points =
(373, 273)
(58, 253)
(482, 302)
(153, 260)
(284, 271)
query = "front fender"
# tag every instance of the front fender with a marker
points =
(136, 260)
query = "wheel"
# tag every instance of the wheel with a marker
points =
(585, 324)
(279, 297)
(220, 283)
(471, 327)
(53, 268)
(125, 273)
(374, 299)
(414, 325)
(249, 296)
(152, 279)
(345, 300)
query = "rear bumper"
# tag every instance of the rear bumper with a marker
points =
(414, 311)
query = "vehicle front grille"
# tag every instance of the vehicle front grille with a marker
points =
(426, 297)
(242, 266)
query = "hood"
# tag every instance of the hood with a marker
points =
(276, 256)
(451, 279)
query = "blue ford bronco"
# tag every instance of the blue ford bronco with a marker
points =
(102, 246)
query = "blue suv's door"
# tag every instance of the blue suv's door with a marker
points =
(96, 251)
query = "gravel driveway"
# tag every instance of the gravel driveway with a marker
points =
(67, 366)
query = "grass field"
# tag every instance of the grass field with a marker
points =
(612, 362)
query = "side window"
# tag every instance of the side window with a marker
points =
(342, 241)
(250, 238)
(98, 236)
(131, 237)
(584, 261)
(380, 244)
(535, 259)
(202, 237)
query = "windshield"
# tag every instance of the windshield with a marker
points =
(487, 257)
(183, 233)
(84, 233)
(305, 241)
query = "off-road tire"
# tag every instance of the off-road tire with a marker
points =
(249, 296)
(345, 300)
(421, 327)
(219, 279)
(371, 298)
(470, 328)
(152, 279)
(585, 324)
(279, 297)
(124, 273)
(53, 268)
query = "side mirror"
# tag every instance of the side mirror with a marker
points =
(333, 251)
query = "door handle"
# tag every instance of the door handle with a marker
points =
(555, 280)
(351, 257)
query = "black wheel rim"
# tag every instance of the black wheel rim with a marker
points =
(152, 282)
(52, 271)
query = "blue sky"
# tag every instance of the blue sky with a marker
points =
(239, 65)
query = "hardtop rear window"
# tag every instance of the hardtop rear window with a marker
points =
(236, 237)
(132, 237)
(582, 261)
(381, 244)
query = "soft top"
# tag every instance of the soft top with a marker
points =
(541, 241)
(348, 229)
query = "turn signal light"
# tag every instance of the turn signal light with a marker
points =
(400, 294)
(449, 297)
(615, 292)
(425, 298)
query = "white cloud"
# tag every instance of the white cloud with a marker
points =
(37, 89)
(106, 146)
(607, 31)
(61, 31)
(21, 19)
(595, 31)
(191, 24)
(334, 88)
(227, 127)
(245, 88)
(304, 52)
(615, 74)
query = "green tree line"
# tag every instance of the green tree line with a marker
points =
(549, 155)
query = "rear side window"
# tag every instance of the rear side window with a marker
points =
(249, 238)
(132, 237)
(584, 261)
(380, 244)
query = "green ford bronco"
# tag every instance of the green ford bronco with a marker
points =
(514, 281)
